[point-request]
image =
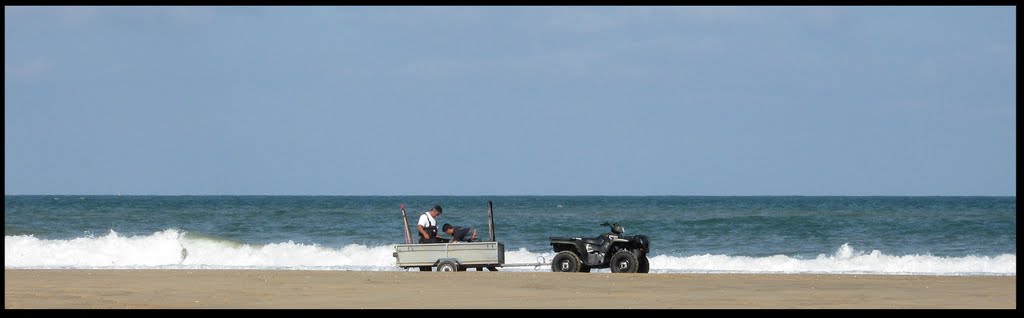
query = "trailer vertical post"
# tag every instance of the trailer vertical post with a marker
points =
(405, 220)
(490, 219)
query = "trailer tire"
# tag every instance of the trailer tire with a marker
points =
(447, 266)
(566, 262)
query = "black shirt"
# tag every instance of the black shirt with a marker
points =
(461, 233)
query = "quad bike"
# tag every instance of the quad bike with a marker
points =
(622, 254)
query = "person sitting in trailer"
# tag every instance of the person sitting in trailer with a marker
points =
(427, 226)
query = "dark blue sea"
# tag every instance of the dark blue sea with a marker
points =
(688, 234)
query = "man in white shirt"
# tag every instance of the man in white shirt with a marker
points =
(427, 226)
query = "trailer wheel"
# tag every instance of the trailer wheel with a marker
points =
(565, 261)
(644, 265)
(624, 261)
(447, 266)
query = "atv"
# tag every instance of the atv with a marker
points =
(623, 254)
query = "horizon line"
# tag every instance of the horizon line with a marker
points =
(539, 195)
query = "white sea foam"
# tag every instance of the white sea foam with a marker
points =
(173, 249)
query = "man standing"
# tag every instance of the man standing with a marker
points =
(427, 226)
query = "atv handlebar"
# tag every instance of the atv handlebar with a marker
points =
(614, 226)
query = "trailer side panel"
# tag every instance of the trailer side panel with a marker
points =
(476, 253)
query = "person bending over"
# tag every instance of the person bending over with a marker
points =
(464, 234)
(460, 233)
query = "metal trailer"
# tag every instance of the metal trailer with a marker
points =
(452, 257)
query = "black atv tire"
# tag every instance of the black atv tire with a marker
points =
(426, 268)
(623, 261)
(644, 265)
(566, 262)
(447, 266)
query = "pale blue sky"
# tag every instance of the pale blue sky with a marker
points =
(510, 100)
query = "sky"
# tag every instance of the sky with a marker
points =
(393, 100)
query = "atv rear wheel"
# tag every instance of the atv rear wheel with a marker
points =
(624, 261)
(565, 261)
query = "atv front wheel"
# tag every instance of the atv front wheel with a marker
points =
(565, 261)
(624, 261)
(644, 266)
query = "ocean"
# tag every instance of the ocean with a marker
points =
(689, 234)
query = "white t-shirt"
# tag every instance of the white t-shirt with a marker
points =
(426, 220)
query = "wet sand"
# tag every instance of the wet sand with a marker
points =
(290, 289)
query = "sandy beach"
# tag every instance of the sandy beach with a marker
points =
(287, 289)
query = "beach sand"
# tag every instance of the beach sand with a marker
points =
(293, 289)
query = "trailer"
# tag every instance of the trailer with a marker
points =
(450, 257)
(455, 257)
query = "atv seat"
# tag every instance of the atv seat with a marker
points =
(595, 241)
